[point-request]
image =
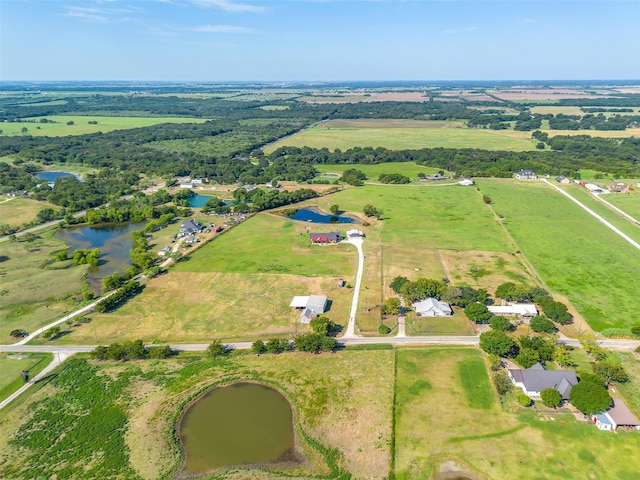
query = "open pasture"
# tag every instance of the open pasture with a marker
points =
(409, 169)
(15, 211)
(81, 126)
(572, 251)
(447, 410)
(114, 419)
(405, 134)
(628, 203)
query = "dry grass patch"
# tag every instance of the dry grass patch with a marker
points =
(16, 211)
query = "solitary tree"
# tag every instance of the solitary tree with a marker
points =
(322, 325)
(497, 343)
(216, 349)
(397, 283)
(551, 397)
(590, 398)
(610, 372)
(477, 312)
(334, 209)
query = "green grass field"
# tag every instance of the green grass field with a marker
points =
(571, 250)
(405, 134)
(409, 169)
(447, 411)
(16, 211)
(117, 419)
(12, 366)
(81, 126)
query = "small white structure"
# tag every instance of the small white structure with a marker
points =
(618, 415)
(187, 185)
(311, 306)
(431, 307)
(514, 309)
(466, 182)
(354, 233)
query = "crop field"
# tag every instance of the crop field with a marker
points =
(405, 134)
(16, 211)
(110, 420)
(12, 365)
(571, 250)
(447, 410)
(32, 295)
(409, 169)
(81, 126)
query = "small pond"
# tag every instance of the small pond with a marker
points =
(316, 216)
(240, 424)
(113, 240)
(198, 201)
(53, 176)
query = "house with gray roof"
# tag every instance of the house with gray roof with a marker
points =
(534, 379)
(526, 175)
(311, 306)
(191, 227)
(618, 415)
(432, 307)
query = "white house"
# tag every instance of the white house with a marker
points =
(526, 175)
(187, 185)
(534, 379)
(431, 307)
(466, 182)
(311, 306)
(514, 309)
(618, 415)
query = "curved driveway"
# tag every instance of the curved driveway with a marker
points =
(351, 327)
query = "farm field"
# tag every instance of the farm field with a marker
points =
(12, 366)
(629, 204)
(447, 411)
(121, 415)
(81, 126)
(31, 294)
(574, 110)
(15, 211)
(409, 169)
(571, 250)
(405, 134)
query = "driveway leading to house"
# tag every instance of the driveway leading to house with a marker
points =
(351, 327)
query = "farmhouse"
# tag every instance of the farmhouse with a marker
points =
(331, 237)
(310, 306)
(562, 179)
(526, 175)
(434, 177)
(431, 307)
(618, 415)
(526, 310)
(619, 188)
(535, 379)
(190, 227)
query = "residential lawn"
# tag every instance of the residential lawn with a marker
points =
(457, 324)
(35, 290)
(571, 250)
(12, 365)
(405, 134)
(442, 416)
(15, 211)
(81, 126)
(101, 420)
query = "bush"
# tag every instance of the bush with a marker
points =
(477, 312)
(610, 372)
(551, 397)
(160, 352)
(502, 382)
(524, 400)
(217, 349)
(18, 333)
(258, 347)
(277, 345)
(635, 330)
(383, 329)
(495, 362)
(500, 323)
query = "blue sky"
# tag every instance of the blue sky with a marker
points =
(322, 40)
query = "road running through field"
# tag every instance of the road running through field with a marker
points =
(595, 215)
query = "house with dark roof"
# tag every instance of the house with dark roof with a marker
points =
(534, 379)
(191, 227)
(432, 307)
(331, 237)
(618, 415)
(562, 179)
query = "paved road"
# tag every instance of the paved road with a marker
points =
(351, 327)
(42, 226)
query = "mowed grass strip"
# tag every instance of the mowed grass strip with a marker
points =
(81, 124)
(437, 424)
(476, 383)
(12, 365)
(413, 134)
(572, 251)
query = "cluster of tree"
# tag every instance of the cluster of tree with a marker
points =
(592, 122)
(133, 350)
(542, 324)
(393, 178)
(137, 209)
(308, 342)
(532, 350)
(116, 280)
(553, 310)
(477, 312)
(420, 289)
(590, 395)
(391, 306)
(353, 177)
(263, 199)
(127, 290)
(85, 256)
(140, 254)
(371, 211)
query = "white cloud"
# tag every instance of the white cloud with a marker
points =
(221, 29)
(99, 14)
(229, 6)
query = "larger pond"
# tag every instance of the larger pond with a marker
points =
(114, 242)
(240, 424)
(53, 176)
(316, 216)
(198, 201)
